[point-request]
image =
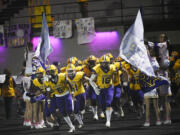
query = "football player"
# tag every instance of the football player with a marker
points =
(61, 88)
(104, 73)
(76, 80)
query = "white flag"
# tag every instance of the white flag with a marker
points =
(44, 48)
(62, 28)
(86, 30)
(132, 48)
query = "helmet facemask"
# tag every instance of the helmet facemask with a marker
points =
(40, 76)
(50, 74)
(105, 66)
(91, 63)
(71, 73)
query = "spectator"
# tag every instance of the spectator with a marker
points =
(8, 92)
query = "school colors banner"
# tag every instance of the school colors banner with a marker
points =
(85, 29)
(35, 11)
(18, 35)
(62, 28)
(148, 83)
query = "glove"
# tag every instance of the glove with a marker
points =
(26, 98)
(86, 85)
(32, 100)
(97, 90)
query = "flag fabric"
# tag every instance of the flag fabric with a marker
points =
(62, 28)
(85, 30)
(18, 35)
(44, 48)
(148, 83)
(132, 48)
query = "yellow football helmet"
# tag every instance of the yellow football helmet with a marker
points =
(70, 69)
(75, 59)
(97, 61)
(118, 59)
(79, 62)
(110, 55)
(104, 58)
(85, 62)
(174, 53)
(92, 61)
(52, 70)
(92, 57)
(71, 61)
(40, 72)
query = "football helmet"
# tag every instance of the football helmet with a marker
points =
(111, 57)
(70, 69)
(71, 61)
(104, 61)
(118, 59)
(40, 72)
(92, 60)
(52, 70)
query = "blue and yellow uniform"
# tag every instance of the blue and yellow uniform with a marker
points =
(76, 81)
(135, 88)
(60, 87)
(9, 91)
(105, 81)
(40, 85)
(62, 94)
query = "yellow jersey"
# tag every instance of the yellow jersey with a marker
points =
(134, 82)
(117, 76)
(117, 65)
(42, 86)
(63, 70)
(176, 66)
(87, 71)
(104, 80)
(77, 83)
(8, 91)
(79, 68)
(61, 87)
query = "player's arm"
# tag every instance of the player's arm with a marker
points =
(70, 86)
(93, 83)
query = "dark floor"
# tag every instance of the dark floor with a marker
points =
(129, 125)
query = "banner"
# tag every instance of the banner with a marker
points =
(148, 83)
(18, 35)
(132, 48)
(85, 29)
(62, 28)
(1, 35)
(37, 18)
(35, 10)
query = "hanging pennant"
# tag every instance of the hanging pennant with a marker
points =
(62, 28)
(85, 29)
